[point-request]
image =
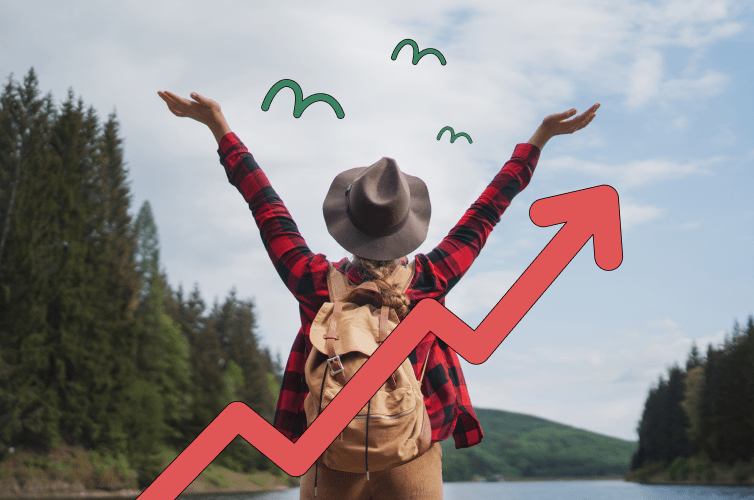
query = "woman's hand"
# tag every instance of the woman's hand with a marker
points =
(559, 124)
(201, 109)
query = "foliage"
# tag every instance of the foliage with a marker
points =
(70, 465)
(97, 352)
(522, 446)
(718, 404)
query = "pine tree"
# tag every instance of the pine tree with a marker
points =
(739, 372)
(648, 429)
(692, 405)
(662, 430)
(694, 360)
(246, 368)
(161, 397)
(206, 383)
(10, 160)
(10, 171)
(709, 415)
(728, 400)
(236, 324)
(80, 336)
(31, 249)
(675, 417)
(207, 369)
(117, 246)
(692, 398)
(147, 254)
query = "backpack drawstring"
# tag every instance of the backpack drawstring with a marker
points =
(366, 445)
(319, 412)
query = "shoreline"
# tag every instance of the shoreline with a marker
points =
(220, 481)
(695, 471)
(42, 490)
(73, 491)
(71, 472)
(77, 491)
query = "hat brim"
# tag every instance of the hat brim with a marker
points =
(390, 247)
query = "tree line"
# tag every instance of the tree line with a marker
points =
(706, 410)
(96, 349)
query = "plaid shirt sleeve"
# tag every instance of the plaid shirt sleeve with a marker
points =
(455, 254)
(437, 272)
(302, 271)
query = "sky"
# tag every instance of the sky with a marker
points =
(672, 136)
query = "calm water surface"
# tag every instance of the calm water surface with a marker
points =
(549, 490)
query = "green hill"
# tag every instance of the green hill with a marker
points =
(522, 446)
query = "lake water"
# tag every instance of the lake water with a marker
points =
(545, 490)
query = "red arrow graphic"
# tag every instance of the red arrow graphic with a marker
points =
(586, 213)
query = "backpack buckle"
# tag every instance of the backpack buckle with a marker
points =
(335, 359)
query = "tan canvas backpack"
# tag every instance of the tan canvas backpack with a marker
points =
(393, 428)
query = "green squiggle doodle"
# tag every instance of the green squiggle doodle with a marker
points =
(453, 135)
(417, 55)
(300, 103)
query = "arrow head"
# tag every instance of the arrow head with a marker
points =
(588, 212)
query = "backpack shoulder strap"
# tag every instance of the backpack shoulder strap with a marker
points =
(337, 283)
(404, 274)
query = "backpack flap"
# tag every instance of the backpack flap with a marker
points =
(351, 327)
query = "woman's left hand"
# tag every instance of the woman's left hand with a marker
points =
(559, 124)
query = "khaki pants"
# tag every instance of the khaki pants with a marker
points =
(420, 479)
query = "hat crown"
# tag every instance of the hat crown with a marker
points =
(378, 212)
(379, 198)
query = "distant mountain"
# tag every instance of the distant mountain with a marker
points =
(523, 446)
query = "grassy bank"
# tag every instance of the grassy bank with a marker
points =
(694, 470)
(71, 472)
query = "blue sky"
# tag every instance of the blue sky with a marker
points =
(673, 137)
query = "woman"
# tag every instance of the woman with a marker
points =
(381, 215)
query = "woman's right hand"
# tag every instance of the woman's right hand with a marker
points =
(201, 109)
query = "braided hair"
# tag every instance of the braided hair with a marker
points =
(379, 272)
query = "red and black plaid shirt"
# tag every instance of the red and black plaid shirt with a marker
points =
(305, 275)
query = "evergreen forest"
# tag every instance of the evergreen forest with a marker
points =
(701, 418)
(97, 351)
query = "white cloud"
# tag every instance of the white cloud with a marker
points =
(687, 89)
(644, 79)
(596, 358)
(634, 173)
(665, 323)
(715, 340)
(479, 293)
(724, 136)
(631, 214)
(680, 123)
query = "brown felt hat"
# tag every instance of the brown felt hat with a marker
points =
(378, 212)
